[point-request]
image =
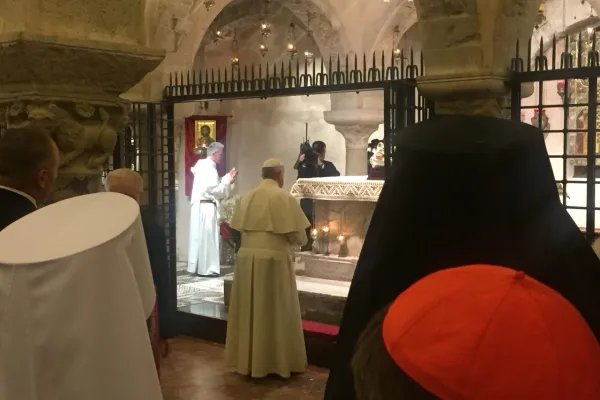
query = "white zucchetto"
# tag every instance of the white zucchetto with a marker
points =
(272, 163)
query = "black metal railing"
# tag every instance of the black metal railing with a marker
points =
(338, 74)
(147, 146)
(564, 74)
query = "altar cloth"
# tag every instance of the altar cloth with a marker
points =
(338, 188)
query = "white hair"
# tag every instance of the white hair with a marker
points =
(124, 181)
(213, 147)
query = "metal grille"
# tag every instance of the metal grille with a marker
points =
(293, 78)
(564, 74)
(403, 106)
(395, 75)
(148, 146)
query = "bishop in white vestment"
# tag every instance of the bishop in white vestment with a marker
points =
(208, 190)
(74, 305)
(264, 328)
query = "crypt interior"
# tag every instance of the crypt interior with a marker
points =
(261, 128)
(127, 52)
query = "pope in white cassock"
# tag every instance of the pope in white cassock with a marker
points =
(264, 329)
(207, 192)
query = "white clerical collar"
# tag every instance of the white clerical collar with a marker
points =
(28, 197)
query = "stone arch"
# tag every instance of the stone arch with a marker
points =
(237, 17)
(193, 21)
(404, 15)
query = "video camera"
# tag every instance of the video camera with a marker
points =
(310, 156)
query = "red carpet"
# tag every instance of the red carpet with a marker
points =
(324, 329)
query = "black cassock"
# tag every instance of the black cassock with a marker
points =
(465, 190)
(159, 262)
(13, 207)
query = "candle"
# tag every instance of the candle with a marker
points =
(326, 232)
(343, 246)
(314, 235)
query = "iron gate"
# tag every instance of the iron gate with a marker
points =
(148, 146)
(569, 67)
(395, 76)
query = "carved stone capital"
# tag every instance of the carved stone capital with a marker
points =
(354, 116)
(52, 66)
(357, 139)
(468, 45)
(85, 133)
(357, 136)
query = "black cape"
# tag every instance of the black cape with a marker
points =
(159, 262)
(465, 190)
(13, 207)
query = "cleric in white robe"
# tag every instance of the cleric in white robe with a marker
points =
(207, 192)
(76, 290)
(264, 328)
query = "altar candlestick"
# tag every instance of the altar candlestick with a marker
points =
(343, 246)
(314, 234)
(326, 232)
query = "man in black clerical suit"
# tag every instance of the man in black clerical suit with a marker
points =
(128, 182)
(465, 190)
(29, 161)
(313, 168)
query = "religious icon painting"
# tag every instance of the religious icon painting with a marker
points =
(205, 133)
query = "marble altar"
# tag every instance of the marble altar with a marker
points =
(344, 205)
(343, 209)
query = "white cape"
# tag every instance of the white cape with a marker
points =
(75, 291)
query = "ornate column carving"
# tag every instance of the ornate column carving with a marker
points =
(357, 139)
(86, 134)
(56, 77)
(356, 117)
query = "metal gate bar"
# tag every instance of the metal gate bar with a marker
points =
(571, 70)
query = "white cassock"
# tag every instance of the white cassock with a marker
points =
(264, 328)
(75, 292)
(207, 192)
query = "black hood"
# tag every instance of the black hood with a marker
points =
(465, 190)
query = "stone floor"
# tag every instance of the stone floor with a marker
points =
(194, 289)
(195, 371)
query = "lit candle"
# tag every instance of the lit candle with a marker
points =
(314, 235)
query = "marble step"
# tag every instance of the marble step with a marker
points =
(321, 300)
(329, 267)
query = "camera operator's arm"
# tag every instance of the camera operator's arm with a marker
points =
(299, 161)
(329, 169)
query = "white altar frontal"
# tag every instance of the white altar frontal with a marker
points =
(343, 207)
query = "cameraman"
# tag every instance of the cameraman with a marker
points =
(312, 164)
(319, 168)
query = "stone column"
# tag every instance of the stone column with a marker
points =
(64, 66)
(467, 47)
(357, 140)
(356, 117)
